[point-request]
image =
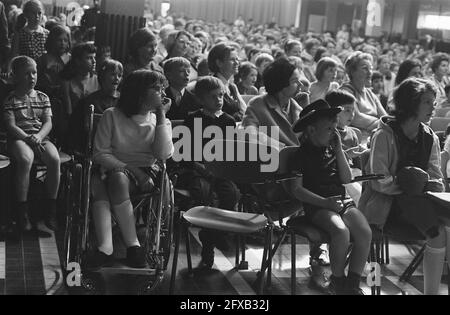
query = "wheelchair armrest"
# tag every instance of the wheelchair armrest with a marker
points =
(368, 177)
(285, 177)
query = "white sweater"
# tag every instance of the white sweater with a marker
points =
(135, 141)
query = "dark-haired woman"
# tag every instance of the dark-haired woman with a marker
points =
(142, 49)
(129, 140)
(407, 152)
(408, 68)
(79, 76)
(277, 108)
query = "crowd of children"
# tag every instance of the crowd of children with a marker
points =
(320, 90)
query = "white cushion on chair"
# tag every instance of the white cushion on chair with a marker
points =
(225, 220)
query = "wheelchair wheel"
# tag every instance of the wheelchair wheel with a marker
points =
(73, 226)
(92, 284)
(166, 233)
(149, 285)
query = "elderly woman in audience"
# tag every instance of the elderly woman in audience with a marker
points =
(223, 62)
(407, 152)
(368, 110)
(142, 49)
(440, 67)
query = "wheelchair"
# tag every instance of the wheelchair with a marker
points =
(154, 217)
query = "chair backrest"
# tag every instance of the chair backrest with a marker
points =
(250, 162)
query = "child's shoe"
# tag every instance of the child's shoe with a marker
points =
(352, 284)
(136, 257)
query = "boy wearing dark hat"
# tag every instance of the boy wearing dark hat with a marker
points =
(325, 170)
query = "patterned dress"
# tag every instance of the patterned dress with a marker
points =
(32, 43)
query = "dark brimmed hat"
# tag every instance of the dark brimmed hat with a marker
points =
(310, 113)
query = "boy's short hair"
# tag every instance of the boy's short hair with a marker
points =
(376, 75)
(19, 62)
(339, 98)
(291, 43)
(262, 58)
(175, 63)
(207, 84)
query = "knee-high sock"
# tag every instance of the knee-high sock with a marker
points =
(433, 264)
(101, 211)
(127, 224)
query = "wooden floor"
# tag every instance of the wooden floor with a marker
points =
(32, 266)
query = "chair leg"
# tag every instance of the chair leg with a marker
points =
(238, 245)
(293, 264)
(413, 265)
(243, 265)
(386, 244)
(372, 259)
(266, 255)
(175, 258)
(448, 278)
(188, 246)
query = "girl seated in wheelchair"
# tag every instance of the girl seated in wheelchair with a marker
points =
(325, 170)
(129, 140)
(28, 119)
(407, 152)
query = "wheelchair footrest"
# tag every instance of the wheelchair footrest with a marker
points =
(120, 267)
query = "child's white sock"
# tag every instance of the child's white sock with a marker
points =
(102, 218)
(127, 223)
(433, 263)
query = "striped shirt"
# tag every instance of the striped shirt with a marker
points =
(28, 111)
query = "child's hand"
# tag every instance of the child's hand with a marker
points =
(355, 151)
(334, 203)
(165, 105)
(335, 141)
